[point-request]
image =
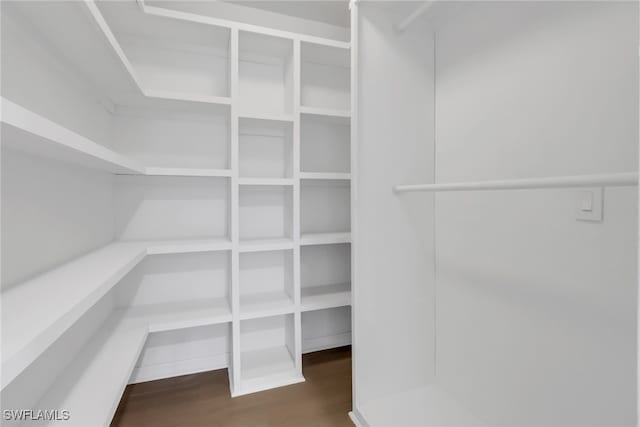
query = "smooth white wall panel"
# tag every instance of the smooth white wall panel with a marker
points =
(51, 213)
(36, 76)
(536, 311)
(393, 242)
(171, 207)
(162, 279)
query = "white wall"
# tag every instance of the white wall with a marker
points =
(393, 238)
(36, 76)
(52, 212)
(536, 311)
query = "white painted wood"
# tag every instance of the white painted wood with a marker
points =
(325, 296)
(326, 175)
(417, 13)
(100, 370)
(27, 131)
(193, 199)
(37, 312)
(324, 238)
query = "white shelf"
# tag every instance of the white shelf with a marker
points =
(188, 97)
(267, 368)
(326, 296)
(325, 238)
(101, 370)
(264, 305)
(27, 131)
(158, 247)
(287, 118)
(265, 181)
(326, 112)
(187, 172)
(104, 366)
(24, 130)
(181, 315)
(37, 312)
(258, 245)
(342, 176)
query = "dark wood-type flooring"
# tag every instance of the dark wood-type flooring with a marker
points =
(203, 399)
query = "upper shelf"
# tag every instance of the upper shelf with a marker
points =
(37, 312)
(24, 130)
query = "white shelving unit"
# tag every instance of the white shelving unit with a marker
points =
(229, 149)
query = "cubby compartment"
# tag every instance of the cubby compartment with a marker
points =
(265, 74)
(325, 144)
(171, 57)
(267, 351)
(325, 77)
(174, 282)
(323, 329)
(325, 274)
(159, 207)
(325, 206)
(208, 349)
(266, 283)
(265, 212)
(174, 135)
(265, 148)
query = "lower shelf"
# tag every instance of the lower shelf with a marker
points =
(91, 387)
(327, 296)
(428, 406)
(181, 315)
(267, 368)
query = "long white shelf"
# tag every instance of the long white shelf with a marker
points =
(24, 130)
(27, 131)
(104, 366)
(326, 296)
(101, 370)
(37, 312)
(324, 238)
(180, 315)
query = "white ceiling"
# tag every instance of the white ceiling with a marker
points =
(335, 12)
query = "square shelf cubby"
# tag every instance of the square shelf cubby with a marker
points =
(266, 283)
(325, 206)
(171, 57)
(175, 135)
(265, 148)
(265, 212)
(267, 351)
(325, 75)
(170, 207)
(323, 329)
(325, 275)
(265, 74)
(325, 144)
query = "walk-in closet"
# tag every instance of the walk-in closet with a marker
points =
(319, 213)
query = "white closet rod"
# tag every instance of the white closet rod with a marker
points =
(404, 24)
(599, 180)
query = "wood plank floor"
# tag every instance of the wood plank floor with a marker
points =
(323, 400)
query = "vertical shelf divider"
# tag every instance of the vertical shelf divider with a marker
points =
(297, 285)
(234, 60)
